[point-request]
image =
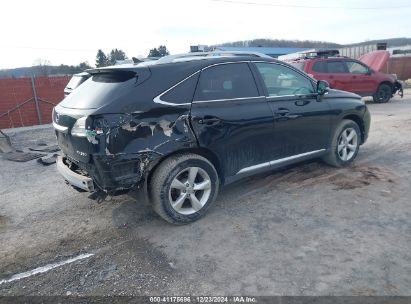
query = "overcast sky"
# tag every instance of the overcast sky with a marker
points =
(69, 32)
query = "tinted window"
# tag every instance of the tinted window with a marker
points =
(182, 93)
(114, 77)
(320, 67)
(100, 90)
(281, 80)
(336, 67)
(356, 68)
(75, 81)
(226, 81)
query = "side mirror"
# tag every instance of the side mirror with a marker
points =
(322, 87)
(369, 72)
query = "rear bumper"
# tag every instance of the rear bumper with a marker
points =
(73, 178)
(109, 173)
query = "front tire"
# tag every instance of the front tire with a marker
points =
(345, 144)
(183, 187)
(383, 94)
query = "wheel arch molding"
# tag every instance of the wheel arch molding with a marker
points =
(359, 121)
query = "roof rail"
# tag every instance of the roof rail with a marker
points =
(205, 55)
(309, 54)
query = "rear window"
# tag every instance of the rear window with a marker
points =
(113, 77)
(336, 67)
(100, 90)
(75, 81)
(320, 67)
(298, 65)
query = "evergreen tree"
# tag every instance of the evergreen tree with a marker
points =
(160, 52)
(162, 49)
(115, 55)
(101, 59)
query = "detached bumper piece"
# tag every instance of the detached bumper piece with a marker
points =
(398, 88)
(76, 180)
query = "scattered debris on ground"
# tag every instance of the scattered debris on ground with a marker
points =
(47, 149)
(5, 143)
(21, 156)
(48, 160)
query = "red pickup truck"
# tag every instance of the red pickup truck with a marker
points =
(363, 76)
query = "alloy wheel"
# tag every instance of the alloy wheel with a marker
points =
(347, 144)
(190, 190)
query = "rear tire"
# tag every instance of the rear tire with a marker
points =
(383, 94)
(345, 144)
(183, 187)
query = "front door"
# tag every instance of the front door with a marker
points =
(302, 123)
(232, 118)
(361, 80)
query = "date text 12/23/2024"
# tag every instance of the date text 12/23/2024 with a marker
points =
(203, 299)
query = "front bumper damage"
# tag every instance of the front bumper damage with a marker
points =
(397, 89)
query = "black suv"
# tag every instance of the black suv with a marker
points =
(181, 127)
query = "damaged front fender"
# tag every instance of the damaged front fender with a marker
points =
(397, 89)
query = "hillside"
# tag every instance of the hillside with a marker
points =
(390, 42)
(280, 43)
(43, 70)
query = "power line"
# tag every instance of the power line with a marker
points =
(46, 48)
(310, 7)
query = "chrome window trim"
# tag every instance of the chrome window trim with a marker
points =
(277, 161)
(282, 96)
(223, 63)
(60, 128)
(228, 99)
(158, 99)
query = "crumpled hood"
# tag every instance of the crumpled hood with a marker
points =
(376, 59)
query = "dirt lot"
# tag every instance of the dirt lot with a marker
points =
(307, 230)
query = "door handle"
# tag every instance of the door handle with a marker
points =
(208, 121)
(285, 114)
(282, 112)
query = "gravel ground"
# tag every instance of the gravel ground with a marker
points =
(305, 230)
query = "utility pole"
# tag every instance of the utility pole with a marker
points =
(36, 100)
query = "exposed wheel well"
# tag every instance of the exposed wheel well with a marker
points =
(359, 122)
(387, 83)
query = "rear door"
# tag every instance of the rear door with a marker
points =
(232, 118)
(338, 75)
(302, 124)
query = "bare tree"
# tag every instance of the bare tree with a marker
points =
(42, 67)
